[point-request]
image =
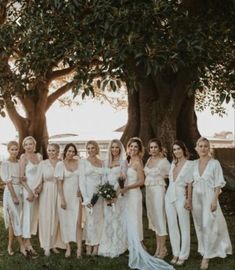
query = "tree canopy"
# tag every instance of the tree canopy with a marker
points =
(98, 38)
(117, 41)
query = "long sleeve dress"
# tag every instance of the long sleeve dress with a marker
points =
(12, 212)
(155, 195)
(30, 209)
(178, 218)
(211, 227)
(49, 233)
(90, 177)
(113, 240)
(68, 217)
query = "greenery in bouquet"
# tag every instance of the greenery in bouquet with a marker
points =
(107, 192)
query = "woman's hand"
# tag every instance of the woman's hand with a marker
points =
(188, 205)
(89, 205)
(79, 194)
(63, 204)
(213, 205)
(124, 190)
(38, 190)
(30, 197)
(15, 200)
(114, 200)
(23, 179)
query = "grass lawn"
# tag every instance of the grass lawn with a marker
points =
(58, 262)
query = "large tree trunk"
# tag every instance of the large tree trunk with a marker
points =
(161, 108)
(34, 124)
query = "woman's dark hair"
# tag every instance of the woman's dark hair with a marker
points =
(182, 145)
(67, 147)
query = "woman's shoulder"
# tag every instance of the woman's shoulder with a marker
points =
(189, 163)
(138, 164)
(165, 163)
(60, 164)
(215, 163)
(23, 157)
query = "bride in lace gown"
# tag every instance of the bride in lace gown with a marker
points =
(139, 258)
(113, 240)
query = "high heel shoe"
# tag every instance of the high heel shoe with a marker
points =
(23, 251)
(55, 250)
(67, 253)
(163, 254)
(31, 250)
(79, 253)
(47, 252)
(204, 264)
(174, 260)
(180, 262)
(156, 253)
(10, 251)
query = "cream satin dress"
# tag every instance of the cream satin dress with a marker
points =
(12, 212)
(68, 217)
(211, 227)
(139, 258)
(30, 209)
(49, 233)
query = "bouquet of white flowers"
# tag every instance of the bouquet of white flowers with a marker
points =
(107, 192)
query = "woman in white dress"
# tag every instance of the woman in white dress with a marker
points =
(210, 224)
(156, 171)
(91, 174)
(113, 240)
(46, 188)
(178, 201)
(138, 257)
(69, 199)
(12, 197)
(28, 169)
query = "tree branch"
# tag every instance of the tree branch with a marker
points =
(59, 92)
(27, 103)
(15, 117)
(59, 73)
(3, 11)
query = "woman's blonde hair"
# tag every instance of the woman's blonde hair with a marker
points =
(29, 138)
(12, 143)
(121, 154)
(55, 145)
(202, 139)
(139, 143)
(94, 143)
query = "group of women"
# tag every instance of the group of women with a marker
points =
(58, 196)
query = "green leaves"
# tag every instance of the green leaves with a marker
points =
(115, 40)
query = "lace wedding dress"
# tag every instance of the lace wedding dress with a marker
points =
(139, 258)
(113, 241)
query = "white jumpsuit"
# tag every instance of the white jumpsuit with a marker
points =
(178, 218)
